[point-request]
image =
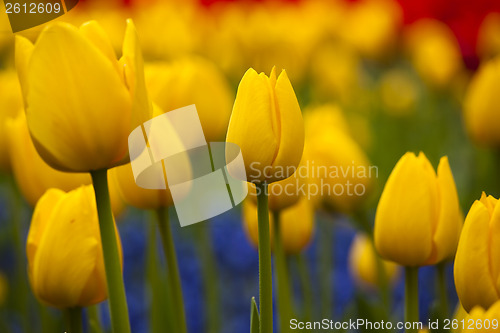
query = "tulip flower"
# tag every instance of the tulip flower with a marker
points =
(434, 51)
(418, 219)
(266, 123)
(363, 263)
(193, 81)
(11, 103)
(488, 42)
(399, 93)
(481, 320)
(81, 102)
(296, 225)
(481, 107)
(338, 167)
(65, 257)
(476, 264)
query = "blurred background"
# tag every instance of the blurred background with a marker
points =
(391, 74)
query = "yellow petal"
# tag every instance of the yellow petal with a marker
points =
(473, 279)
(251, 125)
(95, 34)
(405, 213)
(78, 107)
(24, 49)
(142, 108)
(291, 124)
(450, 220)
(297, 226)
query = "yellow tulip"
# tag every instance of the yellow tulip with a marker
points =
(11, 103)
(481, 106)
(33, 176)
(480, 320)
(372, 26)
(363, 263)
(477, 268)
(266, 123)
(193, 81)
(296, 225)
(434, 51)
(488, 38)
(65, 259)
(338, 169)
(81, 102)
(418, 219)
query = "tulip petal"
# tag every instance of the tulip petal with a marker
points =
(24, 49)
(250, 126)
(473, 279)
(78, 107)
(95, 34)
(142, 108)
(403, 222)
(494, 246)
(449, 225)
(291, 140)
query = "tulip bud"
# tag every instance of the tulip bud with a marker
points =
(481, 107)
(363, 263)
(11, 103)
(480, 320)
(418, 219)
(193, 81)
(266, 123)
(477, 265)
(65, 259)
(434, 52)
(81, 102)
(296, 225)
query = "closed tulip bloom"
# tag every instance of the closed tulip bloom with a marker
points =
(481, 320)
(296, 225)
(11, 103)
(481, 106)
(418, 219)
(33, 176)
(81, 102)
(477, 265)
(266, 123)
(65, 259)
(363, 263)
(193, 81)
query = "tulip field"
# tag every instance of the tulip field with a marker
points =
(230, 166)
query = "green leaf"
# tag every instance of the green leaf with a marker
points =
(254, 317)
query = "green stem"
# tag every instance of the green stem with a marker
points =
(161, 317)
(325, 266)
(281, 271)
(411, 297)
(265, 274)
(305, 284)
(94, 319)
(443, 297)
(210, 280)
(173, 278)
(73, 320)
(112, 262)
